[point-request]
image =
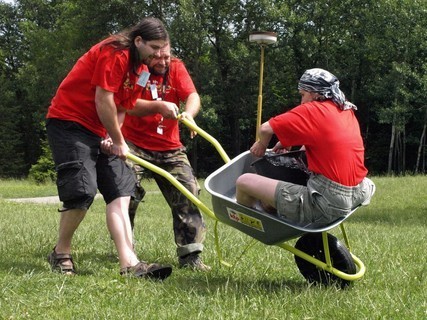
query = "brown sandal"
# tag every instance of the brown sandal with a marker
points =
(56, 261)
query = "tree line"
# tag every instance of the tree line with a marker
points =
(377, 48)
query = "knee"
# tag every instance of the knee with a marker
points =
(244, 180)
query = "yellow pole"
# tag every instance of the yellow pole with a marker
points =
(259, 111)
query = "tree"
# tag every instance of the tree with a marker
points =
(12, 155)
(377, 49)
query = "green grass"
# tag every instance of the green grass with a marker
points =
(389, 236)
(14, 188)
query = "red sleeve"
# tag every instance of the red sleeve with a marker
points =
(183, 83)
(110, 69)
(294, 127)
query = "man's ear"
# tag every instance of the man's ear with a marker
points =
(139, 42)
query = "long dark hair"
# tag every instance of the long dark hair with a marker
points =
(148, 29)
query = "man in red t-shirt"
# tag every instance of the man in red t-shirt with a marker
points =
(152, 133)
(89, 104)
(326, 126)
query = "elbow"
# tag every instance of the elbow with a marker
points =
(266, 129)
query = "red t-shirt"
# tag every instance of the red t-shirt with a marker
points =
(334, 146)
(104, 67)
(152, 132)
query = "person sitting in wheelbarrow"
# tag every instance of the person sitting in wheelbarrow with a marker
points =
(325, 124)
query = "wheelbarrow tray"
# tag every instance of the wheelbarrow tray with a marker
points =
(258, 224)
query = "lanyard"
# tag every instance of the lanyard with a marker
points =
(165, 83)
(153, 88)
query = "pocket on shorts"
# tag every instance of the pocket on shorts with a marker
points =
(71, 180)
(289, 204)
(326, 212)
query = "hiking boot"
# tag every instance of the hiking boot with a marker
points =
(193, 262)
(145, 270)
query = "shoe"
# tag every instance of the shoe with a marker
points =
(56, 261)
(193, 262)
(144, 270)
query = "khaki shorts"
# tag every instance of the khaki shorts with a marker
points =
(322, 201)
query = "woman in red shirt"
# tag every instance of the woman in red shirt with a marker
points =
(89, 106)
(325, 124)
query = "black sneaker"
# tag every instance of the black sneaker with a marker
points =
(144, 270)
(193, 262)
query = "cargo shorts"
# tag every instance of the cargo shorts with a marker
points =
(322, 201)
(82, 168)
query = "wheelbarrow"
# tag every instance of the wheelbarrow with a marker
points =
(320, 257)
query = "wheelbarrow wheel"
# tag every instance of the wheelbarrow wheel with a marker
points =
(312, 244)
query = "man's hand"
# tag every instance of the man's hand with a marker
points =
(258, 149)
(109, 148)
(278, 148)
(106, 146)
(187, 116)
(169, 110)
(120, 150)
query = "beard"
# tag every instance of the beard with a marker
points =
(158, 73)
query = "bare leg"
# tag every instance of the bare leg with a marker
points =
(68, 224)
(252, 187)
(118, 224)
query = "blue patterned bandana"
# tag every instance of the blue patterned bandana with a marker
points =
(326, 84)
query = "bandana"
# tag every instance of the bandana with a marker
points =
(325, 83)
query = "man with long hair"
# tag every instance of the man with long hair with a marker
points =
(88, 107)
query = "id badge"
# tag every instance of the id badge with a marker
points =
(143, 79)
(160, 127)
(153, 89)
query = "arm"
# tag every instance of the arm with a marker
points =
(109, 116)
(265, 133)
(143, 107)
(192, 107)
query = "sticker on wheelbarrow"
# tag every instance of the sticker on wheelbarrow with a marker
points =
(245, 219)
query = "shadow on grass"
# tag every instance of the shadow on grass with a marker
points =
(95, 263)
(37, 262)
(221, 283)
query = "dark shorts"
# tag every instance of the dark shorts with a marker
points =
(82, 169)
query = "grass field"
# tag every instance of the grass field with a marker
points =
(389, 236)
